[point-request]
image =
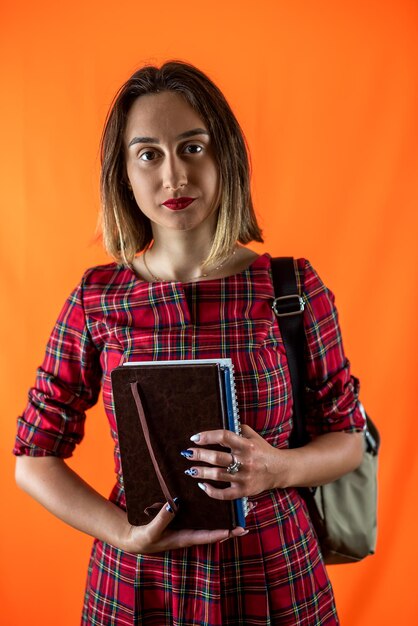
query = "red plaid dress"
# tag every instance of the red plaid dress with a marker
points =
(273, 575)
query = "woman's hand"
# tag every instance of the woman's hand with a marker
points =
(261, 465)
(156, 537)
(58, 488)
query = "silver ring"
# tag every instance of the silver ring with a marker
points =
(234, 467)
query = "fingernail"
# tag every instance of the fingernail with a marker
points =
(195, 437)
(191, 472)
(187, 454)
(202, 486)
(169, 508)
(245, 532)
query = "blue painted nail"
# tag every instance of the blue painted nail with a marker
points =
(187, 454)
(169, 508)
(191, 472)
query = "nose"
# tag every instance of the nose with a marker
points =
(174, 175)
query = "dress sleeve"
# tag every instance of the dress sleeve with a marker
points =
(67, 383)
(331, 391)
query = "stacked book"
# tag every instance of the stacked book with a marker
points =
(159, 405)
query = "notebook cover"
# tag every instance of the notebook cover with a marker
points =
(179, 401)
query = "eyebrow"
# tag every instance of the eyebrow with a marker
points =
(185, 135)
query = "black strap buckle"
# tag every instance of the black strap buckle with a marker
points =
(286, 301)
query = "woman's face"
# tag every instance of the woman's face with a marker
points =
(170, 163)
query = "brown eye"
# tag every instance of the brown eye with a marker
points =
(149, 155)
(193, 148)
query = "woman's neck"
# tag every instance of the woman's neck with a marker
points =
(187, 268)
(173, 263)
(177, 256)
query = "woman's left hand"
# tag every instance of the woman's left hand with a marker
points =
(259, 463)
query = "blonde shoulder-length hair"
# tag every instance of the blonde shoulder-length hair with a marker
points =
(125, 229)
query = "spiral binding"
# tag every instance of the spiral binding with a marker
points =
(237, 425)
(245, 505)
(235, 409)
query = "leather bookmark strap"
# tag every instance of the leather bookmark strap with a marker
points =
(145, 430)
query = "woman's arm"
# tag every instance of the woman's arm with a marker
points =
(322, 460)
(60, 490)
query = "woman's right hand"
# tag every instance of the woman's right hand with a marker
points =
(157, 537)
(63, 492)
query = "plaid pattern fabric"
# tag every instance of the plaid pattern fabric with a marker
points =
(273, 575)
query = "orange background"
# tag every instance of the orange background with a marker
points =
(327, 93)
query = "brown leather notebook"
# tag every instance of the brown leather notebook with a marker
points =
(176, 399)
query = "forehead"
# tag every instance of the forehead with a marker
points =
(161, 115)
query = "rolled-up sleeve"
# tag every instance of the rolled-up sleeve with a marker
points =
(332, 392)
(67, 384)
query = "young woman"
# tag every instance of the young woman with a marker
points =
(176, 210)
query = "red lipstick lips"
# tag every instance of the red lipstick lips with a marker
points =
(176, 204)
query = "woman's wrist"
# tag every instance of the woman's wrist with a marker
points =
(121, 531)
(282, 469)
(124, 539)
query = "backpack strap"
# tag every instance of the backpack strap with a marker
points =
(288, 306)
